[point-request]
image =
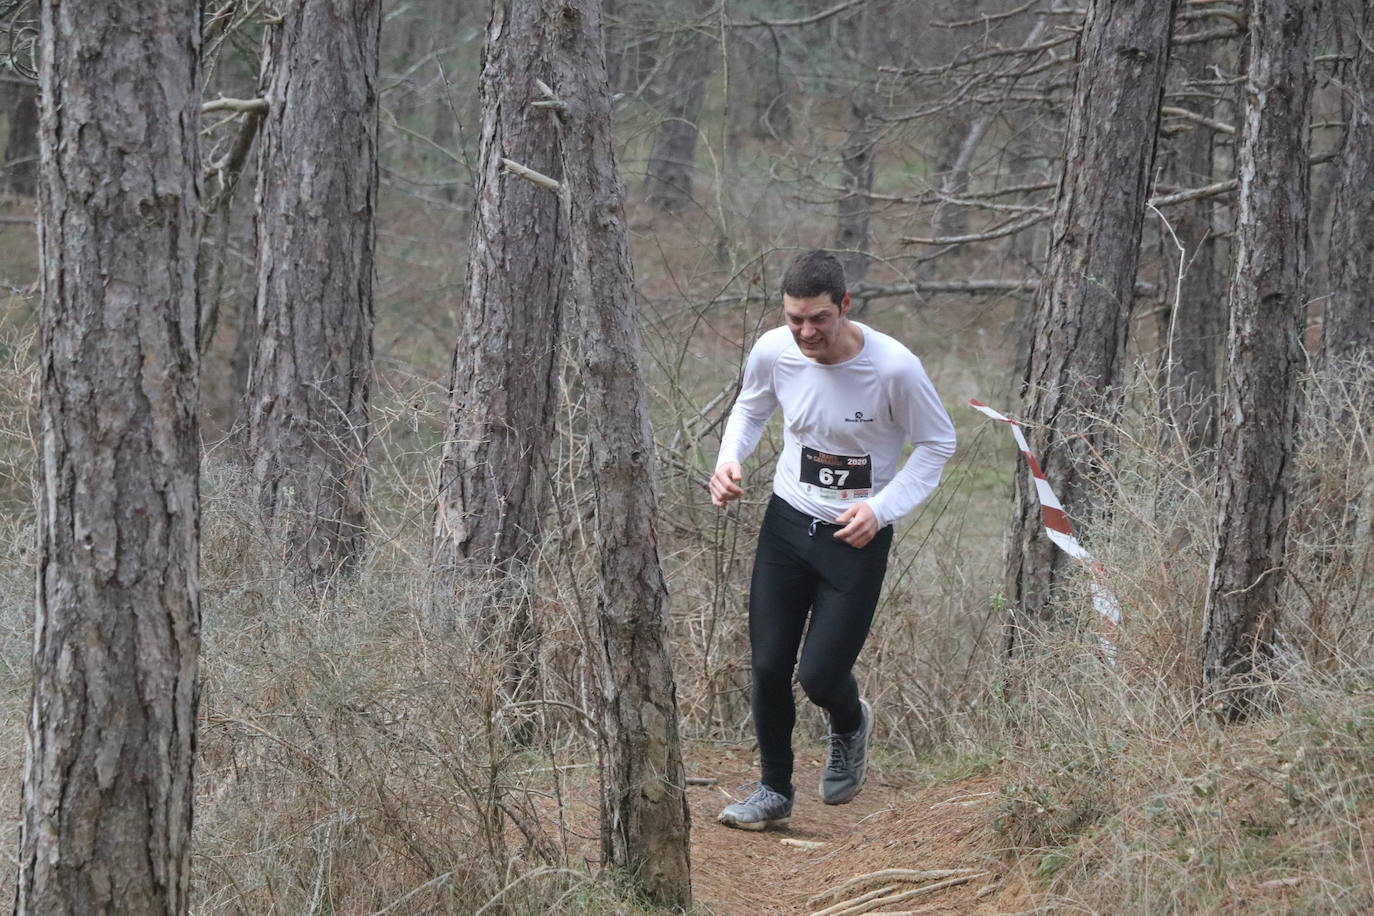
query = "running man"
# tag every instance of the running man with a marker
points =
(851, 399)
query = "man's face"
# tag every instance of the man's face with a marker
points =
(815, 323)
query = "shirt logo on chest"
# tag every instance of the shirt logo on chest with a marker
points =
(858, 418)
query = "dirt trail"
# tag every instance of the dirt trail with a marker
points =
(744, 873)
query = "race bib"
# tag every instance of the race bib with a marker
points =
(827, 476)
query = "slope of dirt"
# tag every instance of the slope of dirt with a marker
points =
(888, 826)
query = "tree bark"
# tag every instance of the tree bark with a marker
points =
(1264, 353)
(1083, 305)
(681, 92)
(1192, 325)
(503, 387)
(108, 768)
(20, 163)
(1349, 329)
(644, 806)
(317, 192)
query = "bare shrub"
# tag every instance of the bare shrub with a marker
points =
(1127, 795)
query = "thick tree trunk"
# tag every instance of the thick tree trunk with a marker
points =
(1078, 333)
(1192, 325)
(855, 208)
(644, 808)
(19, 167)
(1264, 353)
(503, 387)
(1349, 331)
(108, 770)
(681, 92)
(317, 190)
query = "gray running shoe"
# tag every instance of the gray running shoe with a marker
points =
(764, 808)
(844, 773)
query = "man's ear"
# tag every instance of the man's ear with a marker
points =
(844, 305)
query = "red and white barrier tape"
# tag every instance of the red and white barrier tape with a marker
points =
(1059, 530)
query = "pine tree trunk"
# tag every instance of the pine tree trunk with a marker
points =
(644, 808)
(681, 93)
(503, 388)
(1349, 331)
(317, 192)
(1264, 354)
(108, 769)
(1191, 328)
(1078, 334)
(19, 167)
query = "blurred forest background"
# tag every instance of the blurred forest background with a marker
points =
(355, 757)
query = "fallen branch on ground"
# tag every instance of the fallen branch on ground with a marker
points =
(887, 874)
(862, 898)
(855, 907)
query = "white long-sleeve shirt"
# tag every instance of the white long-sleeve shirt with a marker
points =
(844, 426)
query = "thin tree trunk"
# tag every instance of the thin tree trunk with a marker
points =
(758, 85)
(950, 218)
(668, 180)
(317, 192)
(1192, 325)
(614, 11)
(453, 106)
(644, 807)
(241, 361)
(504, 383)
(857, 156)
(19, 167)
(108, 769)
(1349, 330)
(1264, 353)
(1079, 330)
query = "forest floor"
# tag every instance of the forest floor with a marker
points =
(894, 823)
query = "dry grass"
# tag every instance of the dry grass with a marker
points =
(1134, 798)
(356, 753)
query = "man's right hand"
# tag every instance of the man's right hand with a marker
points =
(724, 484)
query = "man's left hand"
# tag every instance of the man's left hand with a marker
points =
(860, 524)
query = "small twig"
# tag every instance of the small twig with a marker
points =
(1009, 229)
(538, 842)
(702, 781)
(984, 19)
(551, 101)
(803, 20)
(1197, 118)
(904, 895)
(903, 874)
(855, 901)
(247, 106)
(530, 175)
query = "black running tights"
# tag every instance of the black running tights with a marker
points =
(801, 570)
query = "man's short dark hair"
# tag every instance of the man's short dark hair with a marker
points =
(814, 273)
